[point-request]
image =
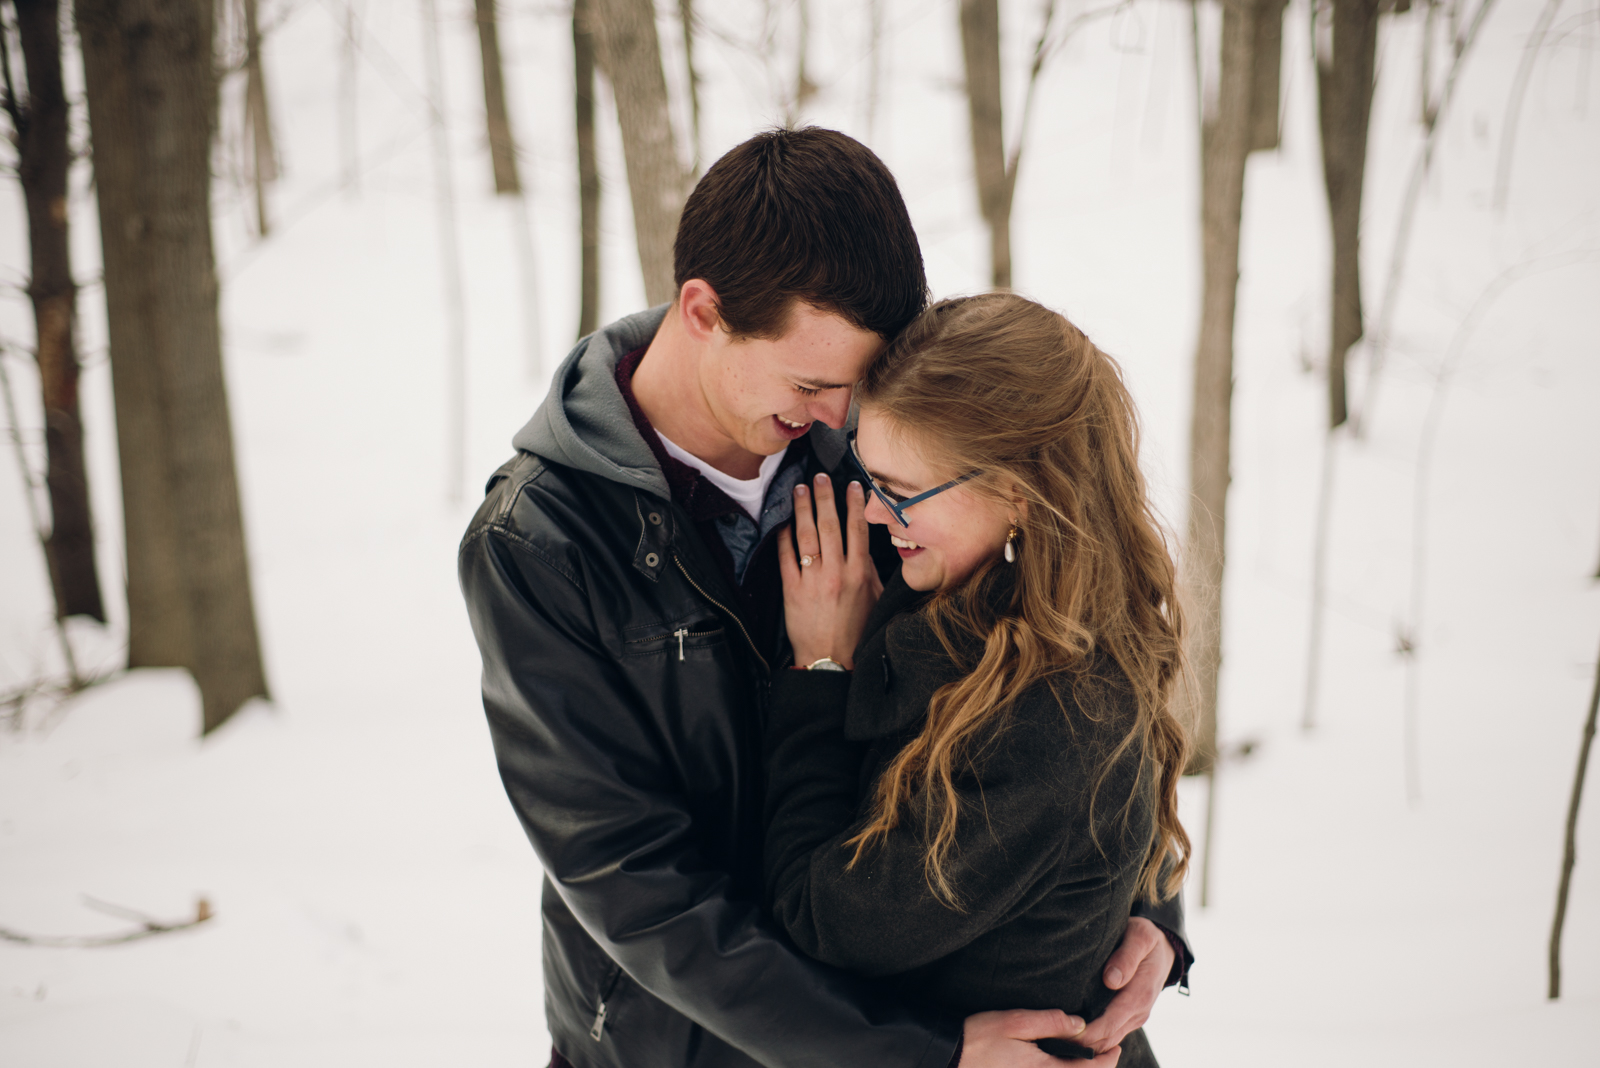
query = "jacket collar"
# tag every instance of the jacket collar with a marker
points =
(902, 664)
(584, 422)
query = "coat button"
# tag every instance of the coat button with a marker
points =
(651, 559)
(887, 680)
(655, 518)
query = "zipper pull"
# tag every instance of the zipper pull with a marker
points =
(599, 1023)
(680, 634)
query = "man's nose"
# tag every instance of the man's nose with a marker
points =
(832, 407)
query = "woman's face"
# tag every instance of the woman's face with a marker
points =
(951, 533)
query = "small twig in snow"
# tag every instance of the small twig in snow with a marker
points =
(148, 928)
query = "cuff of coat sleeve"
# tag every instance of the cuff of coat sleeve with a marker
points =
(809, 692)
(1182, 959)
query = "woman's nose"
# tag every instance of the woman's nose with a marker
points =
(875, 511)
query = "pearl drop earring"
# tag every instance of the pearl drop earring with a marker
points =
(1011, 552)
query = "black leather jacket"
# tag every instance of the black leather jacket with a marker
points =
(625, 700)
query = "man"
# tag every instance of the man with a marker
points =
(622, 581)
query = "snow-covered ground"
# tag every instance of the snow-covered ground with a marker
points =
(375, 901)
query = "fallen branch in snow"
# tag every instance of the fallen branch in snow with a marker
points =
(148, 927)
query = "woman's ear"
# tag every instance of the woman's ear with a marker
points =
(1016, 502)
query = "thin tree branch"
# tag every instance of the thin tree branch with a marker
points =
(1432, 120)
(13, 107)
(1569, 852)
(41, 530)
(1410, 635)
(1519, 89)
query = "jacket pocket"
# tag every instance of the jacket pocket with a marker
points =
(681, 643)
(597, 1029)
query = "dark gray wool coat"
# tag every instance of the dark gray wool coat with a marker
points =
(1045, 902)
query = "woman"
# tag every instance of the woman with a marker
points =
(973, 771)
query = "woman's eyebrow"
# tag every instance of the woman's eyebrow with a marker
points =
(817, 383)
(885, 480)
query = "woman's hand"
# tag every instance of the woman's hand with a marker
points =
(830, 588)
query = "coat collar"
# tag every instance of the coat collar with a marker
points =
(901, 663)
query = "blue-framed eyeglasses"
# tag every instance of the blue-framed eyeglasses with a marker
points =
(898, 508)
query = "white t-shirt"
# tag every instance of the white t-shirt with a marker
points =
(748, 493)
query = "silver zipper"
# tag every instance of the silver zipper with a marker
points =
(728, 611)
(599, 1027)
(680, 634)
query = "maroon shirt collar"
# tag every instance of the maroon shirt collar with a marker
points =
(691, 491)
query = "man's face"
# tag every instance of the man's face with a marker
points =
(766, 393)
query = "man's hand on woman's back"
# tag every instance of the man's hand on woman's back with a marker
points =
(1138, 970)
(1006, 1040)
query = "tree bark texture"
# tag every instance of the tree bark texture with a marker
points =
(583, 64)
(980, 48)
(1344, 108)
(258, 117)
(1266, 90)
(630, 54)
(152, 104)
(502, 143)
(43, 162)
(1225, 144)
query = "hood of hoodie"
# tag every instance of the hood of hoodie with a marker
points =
(584, 423)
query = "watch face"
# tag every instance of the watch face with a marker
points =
(825, 664)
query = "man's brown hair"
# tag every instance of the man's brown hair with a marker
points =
(810, 215)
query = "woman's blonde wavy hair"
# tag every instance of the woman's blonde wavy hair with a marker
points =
(1003, 385)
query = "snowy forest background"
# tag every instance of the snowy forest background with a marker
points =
(1381, 886)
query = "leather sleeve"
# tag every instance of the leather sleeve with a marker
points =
(581, 760)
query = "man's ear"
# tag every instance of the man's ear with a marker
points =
(697, 308)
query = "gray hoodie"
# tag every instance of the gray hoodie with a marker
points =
(585, 424)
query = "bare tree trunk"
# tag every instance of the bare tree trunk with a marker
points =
(349, 83)
(1569, 854)
(980, 48)
(1344, 108)
(583, 63)
(874, 65)
(455, 310)
(41, 530)
(258, 120)
(1225, 143)
(804, 87)
(687, 17)
(502, 144)
(152, 104)
(630, 55)
(1267, 89)
(43, 162)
